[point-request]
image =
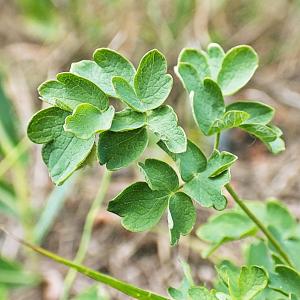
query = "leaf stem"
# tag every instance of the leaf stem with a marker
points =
(258, 223)
(115, 283)
(87, 232)
(217, 141)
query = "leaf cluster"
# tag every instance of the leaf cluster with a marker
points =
(211, 75)
(233, 225)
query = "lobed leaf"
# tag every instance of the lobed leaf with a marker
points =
(228, 226)
(87, 120)
(151, 83)
(265, 133)
(259, 113)
(181, 216)
(238, 66)
(190, 162)
(208, 105)
(63, 152)
(163, 122)
(198, 292)
(119, 149)
(159, 175)
(140, 207)
(215, 55)
(286, 280)
(230, 119)
(197, 60)
(112, 64)
(206, 189)
(70, 90)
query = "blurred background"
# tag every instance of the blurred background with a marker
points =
(39, 38)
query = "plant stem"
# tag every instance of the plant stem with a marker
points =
(217, 141)
(258, 223)
(115, 283)
(87, 232)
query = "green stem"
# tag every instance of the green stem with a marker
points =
(87, 232)
(217, 141)
(115, 283)
(258, 223)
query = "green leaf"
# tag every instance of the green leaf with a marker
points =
(207, 190)
(215, 55)
(159, 175)
(258, 254)
(239, 64)
(265, 133)
(163, 122)
(228, 226)
(70, 90)
(63, 152)
(244, 284)
(87, 120)
(197, 293)
(230, 119)
(112, 64)
(128, 119)
(119, 149)
(196, 59)
(208, 105)
(220, 162)
(252, 280)
(278, 144)
(151, 83)
(140, 207)
(285, 280)
(259, 113)
(190, 162)
(278, 216)
(181, 217)
(189, 77)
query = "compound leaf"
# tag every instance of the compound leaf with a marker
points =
(140, 207)
(159, 175)
(239, 64)
(215, 54)
(119, 149)
(112, 64)
(259, 113)
(196, 59)
(87, 120)
(163, 122)
(151, 83)
(70, 90)
(181, 217)
(128, 119)
(190, 162)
